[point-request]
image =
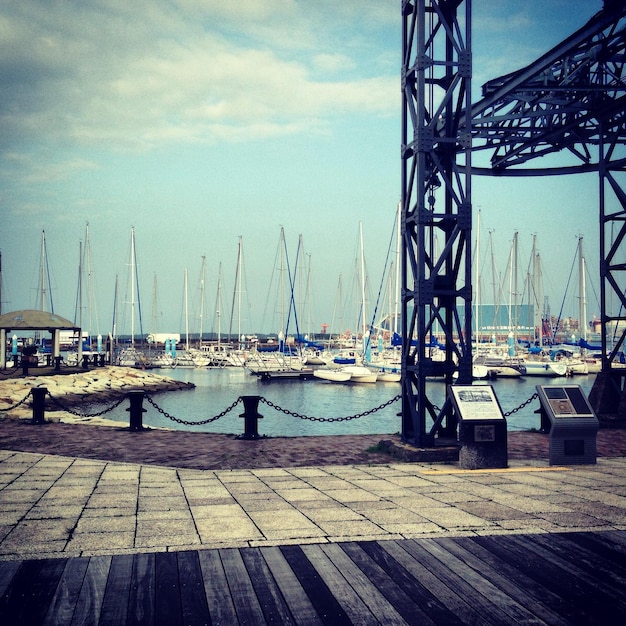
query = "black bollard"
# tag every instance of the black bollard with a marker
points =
(136, 411)
(251, 417)
(25, 364)
(94, 360)
(101, 357)
(85, 361)
(39, 404)
(57, 363)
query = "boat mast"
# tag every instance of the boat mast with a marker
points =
(186, 313)
(364, 329)
(218, 304)
(236, 295)
(202, 285)
(92, 308)
(398, 266)
(477, 293)
(582, 286)
(132, 286)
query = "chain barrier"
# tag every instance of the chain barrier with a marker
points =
(522, 405)
(14, 373)
(190, 422)
(328, 419)
(68, 409)
(10, 408)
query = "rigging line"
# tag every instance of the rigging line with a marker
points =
(382, 280)
(569, 278)
(292, 303)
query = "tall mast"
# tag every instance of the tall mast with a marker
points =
(363, 322)
(186, 312)
(398, 266)
(202, 287)
(218, 304)
(236, 295)
(582, 286)
(132, 286)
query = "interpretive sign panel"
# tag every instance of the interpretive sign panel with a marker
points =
(476, 402)
(565, 401)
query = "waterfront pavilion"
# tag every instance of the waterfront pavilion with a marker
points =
(29, 319)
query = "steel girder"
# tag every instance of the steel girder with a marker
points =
(436, 210)
(571, 102)
(568, 100)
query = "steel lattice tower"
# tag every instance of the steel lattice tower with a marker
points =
(570, 102)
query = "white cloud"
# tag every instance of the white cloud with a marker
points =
(131, 75)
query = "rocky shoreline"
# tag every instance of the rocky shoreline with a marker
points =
(98, 386)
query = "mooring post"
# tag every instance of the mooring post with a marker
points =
(57, 363)
(136, 411)
(251, 416)
(39, 404)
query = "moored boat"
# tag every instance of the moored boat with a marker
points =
(545, 368)
(333, 375)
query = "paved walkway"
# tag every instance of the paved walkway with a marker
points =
(58, 506)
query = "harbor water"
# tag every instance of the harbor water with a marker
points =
(216, 389)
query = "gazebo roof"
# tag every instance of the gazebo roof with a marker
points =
(29, 319)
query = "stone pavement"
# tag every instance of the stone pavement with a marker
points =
(67, 506)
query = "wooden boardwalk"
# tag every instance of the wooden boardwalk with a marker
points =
(567, 578)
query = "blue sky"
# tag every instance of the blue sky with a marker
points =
(199, 122)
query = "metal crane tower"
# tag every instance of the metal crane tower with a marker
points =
(570, 102)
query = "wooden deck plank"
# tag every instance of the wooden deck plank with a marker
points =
(437, 600)
(28, 596)
(63, 603)
(597, 598)
(564, 578)
(548, 572)
(89, 603)
(369, 593)
(609, 573)
(525, 590)
(480, 585)
(387, 584)
(193, 599)
(141, 601)
(115, 602)
(351, 602)
(219, 598)
(456, 583)
(325, 603)
(296, 598)
(7, 572)
(273, 604)
(244, 597)
(167, 602)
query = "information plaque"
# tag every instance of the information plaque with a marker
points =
(571, 423)
(476, 402)
(482, 426)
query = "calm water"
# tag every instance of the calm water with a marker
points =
(216, 389)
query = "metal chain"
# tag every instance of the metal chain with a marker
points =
(12, 374)
(10, 408)
(188, 422)
(328, 419)
(68, 409)
(521, 406)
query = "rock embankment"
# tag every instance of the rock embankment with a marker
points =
(97, 386)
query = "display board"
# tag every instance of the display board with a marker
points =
(565, 401)
(476, 402)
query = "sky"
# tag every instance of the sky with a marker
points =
(204, 124)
